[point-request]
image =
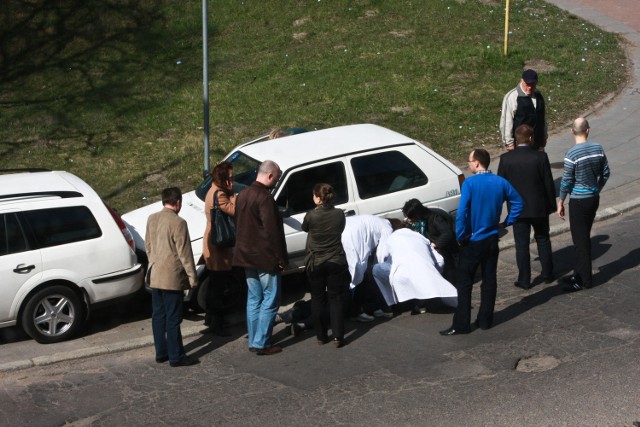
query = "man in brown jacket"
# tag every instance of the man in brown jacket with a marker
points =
(261, 250)
(172, 270)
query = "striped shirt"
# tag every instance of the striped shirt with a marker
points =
(586, 170)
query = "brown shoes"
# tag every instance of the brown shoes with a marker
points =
(268, 350)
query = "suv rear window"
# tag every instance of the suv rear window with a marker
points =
(12, 239)
(387, 172)
(57, 226)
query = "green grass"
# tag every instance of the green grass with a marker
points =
(111, 90)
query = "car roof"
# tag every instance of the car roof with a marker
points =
(311, 146)
(41, 183)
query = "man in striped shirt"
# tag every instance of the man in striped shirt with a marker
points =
(586, 170)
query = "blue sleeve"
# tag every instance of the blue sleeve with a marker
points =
(462, 221)
(515, 204)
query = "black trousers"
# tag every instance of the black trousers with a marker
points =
(582, 212)
(483, 254)
(329, 284)
(215, 298)
(522, 237)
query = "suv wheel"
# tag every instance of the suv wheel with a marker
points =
(53, 314)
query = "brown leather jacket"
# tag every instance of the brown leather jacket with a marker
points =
(260, 241)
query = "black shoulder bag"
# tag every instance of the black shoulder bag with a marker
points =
(223, 229)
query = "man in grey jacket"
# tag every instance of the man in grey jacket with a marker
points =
(172, 270)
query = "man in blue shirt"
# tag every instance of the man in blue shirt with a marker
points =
(586, 170)
(477, 227)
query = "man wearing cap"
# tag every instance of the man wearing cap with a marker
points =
(524, 105)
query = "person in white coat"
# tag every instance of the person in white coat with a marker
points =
(361, 236)
(409, 268)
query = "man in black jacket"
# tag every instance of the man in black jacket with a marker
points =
(529, 171)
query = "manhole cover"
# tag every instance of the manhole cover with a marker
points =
(537, 364)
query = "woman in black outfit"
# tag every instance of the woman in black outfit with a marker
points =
(326, 265)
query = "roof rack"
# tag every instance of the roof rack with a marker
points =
(13, 170)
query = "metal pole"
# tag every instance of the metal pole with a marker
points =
(205, 87)
(506, 29)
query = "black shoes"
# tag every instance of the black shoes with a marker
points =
(337, 342)
(573, 284)
(481, 326)
(161, 359)
(449, 332)
(521, 286)
(185, 361)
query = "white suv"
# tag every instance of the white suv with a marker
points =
(373, 170)
(61, 251)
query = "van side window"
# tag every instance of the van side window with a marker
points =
(387, 172)
(12, 239)
(57, 226)
(297, 193)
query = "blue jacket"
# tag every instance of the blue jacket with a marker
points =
(481, 205)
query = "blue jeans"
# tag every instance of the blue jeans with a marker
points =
(263, 301)
(522, 237)
(483, 254)
(165, 322)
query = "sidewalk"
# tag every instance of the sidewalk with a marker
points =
(613, 125)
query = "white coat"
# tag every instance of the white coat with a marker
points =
(411, 269)
(360, 238)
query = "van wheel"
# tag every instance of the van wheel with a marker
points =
(53, 314)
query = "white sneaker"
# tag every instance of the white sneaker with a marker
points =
(381, 313)
(363, 317)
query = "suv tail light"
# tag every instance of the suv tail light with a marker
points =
(123, 227)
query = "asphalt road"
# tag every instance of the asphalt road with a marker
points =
(552, 359)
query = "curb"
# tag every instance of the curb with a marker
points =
(601, 215)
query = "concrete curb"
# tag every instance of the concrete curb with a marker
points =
(601, 215)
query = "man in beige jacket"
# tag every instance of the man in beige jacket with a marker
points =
(172, 270)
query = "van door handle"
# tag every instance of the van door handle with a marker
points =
(21, 268)
(349, 213)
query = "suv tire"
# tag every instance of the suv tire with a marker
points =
(53, 314)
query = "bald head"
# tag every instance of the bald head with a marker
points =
(268, 173)
(580, 126)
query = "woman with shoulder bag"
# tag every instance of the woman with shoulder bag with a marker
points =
(326, 265)
(218, 259)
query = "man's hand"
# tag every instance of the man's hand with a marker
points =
(511, 147)
(560, 210)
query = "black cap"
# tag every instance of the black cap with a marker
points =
(530, 77)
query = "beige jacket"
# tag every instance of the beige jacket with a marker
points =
(169, 251)
(216, 258)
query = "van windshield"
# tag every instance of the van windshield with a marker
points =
(245, 171)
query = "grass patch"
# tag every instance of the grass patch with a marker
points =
(111, 90)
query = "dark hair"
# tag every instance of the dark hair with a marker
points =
(396, 224)
(324, 192)
(414, 210)
(220, 173)
(482, 156)
(171, 196)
